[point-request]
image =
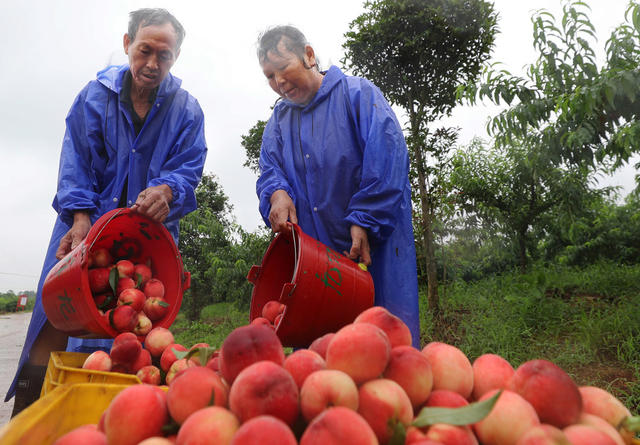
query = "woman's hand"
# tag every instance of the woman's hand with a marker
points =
(282, 210)
(359, 245)
(75, 235)
(153, 202)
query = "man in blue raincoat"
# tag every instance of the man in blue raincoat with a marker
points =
(133, 138)
(334, 160)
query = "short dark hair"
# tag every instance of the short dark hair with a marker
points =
(154, 16)
(291, 37)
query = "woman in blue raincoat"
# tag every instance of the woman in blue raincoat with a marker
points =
(133, 138)
(334, 160)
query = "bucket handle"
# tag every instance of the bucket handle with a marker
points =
(296, 253)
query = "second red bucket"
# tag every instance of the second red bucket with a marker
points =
(322, 289)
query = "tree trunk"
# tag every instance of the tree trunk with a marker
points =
(522, 249)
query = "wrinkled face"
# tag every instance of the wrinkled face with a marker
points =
(151, 54)
(288, 76)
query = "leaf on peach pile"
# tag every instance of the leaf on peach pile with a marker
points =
(113, 279)
(399, 432)
(205, 354)
(465, 415)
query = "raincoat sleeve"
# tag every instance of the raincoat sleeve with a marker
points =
(76, 180)
(385, 163)
(272, 175)
(183, 168)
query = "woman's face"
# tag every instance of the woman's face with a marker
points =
(288, 76)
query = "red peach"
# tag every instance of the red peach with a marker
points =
(123, 318)
(262, 321)
(157, 340)
(271, 309)
(99, 280)
(214, 364)
(98, 361)
(132, 297)
(383, 403)
(143, 359)
(247, 345)
(450, 367)
(156, 308)
(544, 434)
(195, 359)
(602, 403)
(264, 388)
(101, 257)
(415, 435)
(136, 413)
(409, 368)
(303, 362)
(511, 417)
(157, 441)
(362, 350)
(83, 435)
(168, 356)
(125, 268)
(149, 374)
(176, 369)
(325, 388)
(265, 430)
(451, 435)
(141, 274)
(209, 425)
(321, 344)
(125, 348)
(586, 435)
(551, 392)
(397, 331)
(124, 284)
(120, 368)
(490, 371)
(278, 320)
(601, 425)
(154, 288)
(143, 325)
(445, 399)
(338, 426)
(193, 389)
(107, 300)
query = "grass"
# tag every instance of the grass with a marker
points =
(585, 320)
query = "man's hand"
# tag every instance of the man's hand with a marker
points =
(282, 210)
(75, 235)
(153, 202)
(359, 245)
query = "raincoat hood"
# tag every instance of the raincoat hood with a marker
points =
(112, 77)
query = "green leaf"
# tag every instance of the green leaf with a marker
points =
(163, 303)
(465, 415)
(138, 280)
(399, 432)
(114, 276)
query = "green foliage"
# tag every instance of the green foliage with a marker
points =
(212, 331)
(252, 143)
(9, 301)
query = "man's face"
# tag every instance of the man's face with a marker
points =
(151, 54)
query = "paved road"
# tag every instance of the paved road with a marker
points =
(13, 329)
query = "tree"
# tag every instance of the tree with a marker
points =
(252, 143)
(582, 113)
(418, 52)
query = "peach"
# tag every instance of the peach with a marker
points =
(446, 399)
(362, 350)
(99, 280)
(271, 309)
(247, 345)
(123, 318)
(410, 369)
(141, 274)
(157, 441)
(124, 284)
(83, 435)
(450, 367)
(149, 374)
(125, 268)
(125, 348)
(136, 413)
(157, 340)
(303, 362)
(511, 417)
(264, 388)
(338, 426)
(490, 371)
(133, 297)
(176, 368)
(415, 435)
(265, 430)
(195, 359)
(98, 361)
(586, 435)
(321, 344)
(213, 424)
(143, 325)
(101, 257)
(544, 434)
(168, 356)
(397, 331)
(154, 288)
(193, 389)
(156, 308)
(383, 403)
(325, 388)
(550, 390)
(262, 321)
(601, 425)
(277, 320)
(602, 403)
(143, 359)
(214, 363)
(451, 435)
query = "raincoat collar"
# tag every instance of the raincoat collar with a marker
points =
(331, 78)
(112, 77)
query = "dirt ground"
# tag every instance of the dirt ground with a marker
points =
(13, 329)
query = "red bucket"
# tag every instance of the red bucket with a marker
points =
(66, 295)
(322, 289)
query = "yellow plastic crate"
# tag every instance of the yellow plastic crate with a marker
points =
(58, 412)
(66, 368)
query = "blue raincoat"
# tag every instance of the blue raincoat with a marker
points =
(343, 160)
(100, 151)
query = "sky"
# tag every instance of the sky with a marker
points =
(53, 48)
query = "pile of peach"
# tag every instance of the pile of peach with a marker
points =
(125, 293)
(272, 313)
(364, 384)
